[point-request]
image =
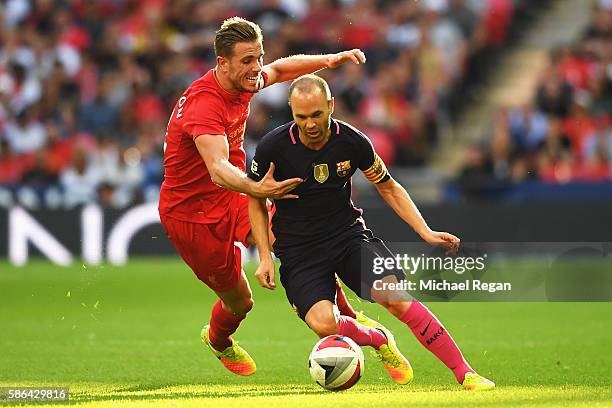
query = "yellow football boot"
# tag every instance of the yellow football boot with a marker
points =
(476, 382)
(394, 362)
(234, 358)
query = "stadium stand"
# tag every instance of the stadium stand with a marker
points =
(558, 146)
(86, 87)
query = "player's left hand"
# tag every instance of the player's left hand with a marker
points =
(355, 55)
(444, 240)
(265, 274)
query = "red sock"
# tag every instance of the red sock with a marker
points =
(344, 306)
(360, 334)
(222, 325)
(430, 332)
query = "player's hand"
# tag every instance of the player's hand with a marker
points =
(444, 240)
(268, 187)
(265, 273)
(355, 55)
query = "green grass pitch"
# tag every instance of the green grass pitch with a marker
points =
(129, 337)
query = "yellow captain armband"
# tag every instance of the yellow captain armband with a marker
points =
(377, 170)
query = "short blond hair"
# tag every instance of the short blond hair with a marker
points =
(235, 30)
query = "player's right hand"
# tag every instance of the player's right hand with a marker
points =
(355, 55)
(265, 273)
(268, 187)
(445, 240)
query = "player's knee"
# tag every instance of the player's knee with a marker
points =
(243, 307)
(247, 305)
(324, 326)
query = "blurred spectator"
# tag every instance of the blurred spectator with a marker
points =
(86, 87)
(80, 180)
(566, 135)
(26, 133)
(476, 174)
(352, 88)
(601, 23)
(12, 166)
(579, 125)
(528, 127)
(553, 96)
(106, 195)
(600, 90)
(497, 19)
(19, 89)
(99, 116)
(42, 175)
(270, 15)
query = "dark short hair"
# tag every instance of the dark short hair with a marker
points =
(235, 30)
(306, 83)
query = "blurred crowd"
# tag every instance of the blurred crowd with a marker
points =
(565, 133)
(87, 86)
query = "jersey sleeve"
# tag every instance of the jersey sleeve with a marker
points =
(204, 116)
(261, 161)
(371, 164)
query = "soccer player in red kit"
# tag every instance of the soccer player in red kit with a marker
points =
(203, 202)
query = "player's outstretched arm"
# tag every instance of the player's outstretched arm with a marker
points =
(268, 187)
(399, 200)
(289, 68)
(258, 216)
(214, 150)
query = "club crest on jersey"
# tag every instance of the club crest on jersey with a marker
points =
(343, 168)
(321, 173)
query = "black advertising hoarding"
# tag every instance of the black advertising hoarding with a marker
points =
(93, 235)
(89, 234)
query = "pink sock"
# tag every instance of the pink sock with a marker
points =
(360, 334)
(344, 306)
(430, 332)
(222, 325)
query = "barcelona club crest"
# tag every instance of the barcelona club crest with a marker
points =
(321, 173)
(343, 168)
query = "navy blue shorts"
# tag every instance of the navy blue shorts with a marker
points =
(308, 273)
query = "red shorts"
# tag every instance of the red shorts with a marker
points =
(209, 249)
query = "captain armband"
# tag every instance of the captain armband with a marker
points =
(377, 172)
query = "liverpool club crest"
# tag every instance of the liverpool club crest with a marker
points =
(321, 173)
(343, 168)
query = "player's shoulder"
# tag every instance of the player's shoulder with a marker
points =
(205, 82)
(279, 136)
(205, 88)
(349, 132)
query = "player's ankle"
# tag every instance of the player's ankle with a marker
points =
(461, 377)
(378, 345)
(221, 345)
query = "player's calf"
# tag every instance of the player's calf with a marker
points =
(322, 320)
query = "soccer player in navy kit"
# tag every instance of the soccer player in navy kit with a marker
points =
(321, 233)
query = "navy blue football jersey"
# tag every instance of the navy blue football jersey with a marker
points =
(324, 207)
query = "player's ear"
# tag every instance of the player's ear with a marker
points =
(291, 107)
(222, 63)
(330, 105)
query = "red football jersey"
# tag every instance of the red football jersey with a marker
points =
(187, 192)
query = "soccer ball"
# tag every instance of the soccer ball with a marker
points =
(336, 363)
